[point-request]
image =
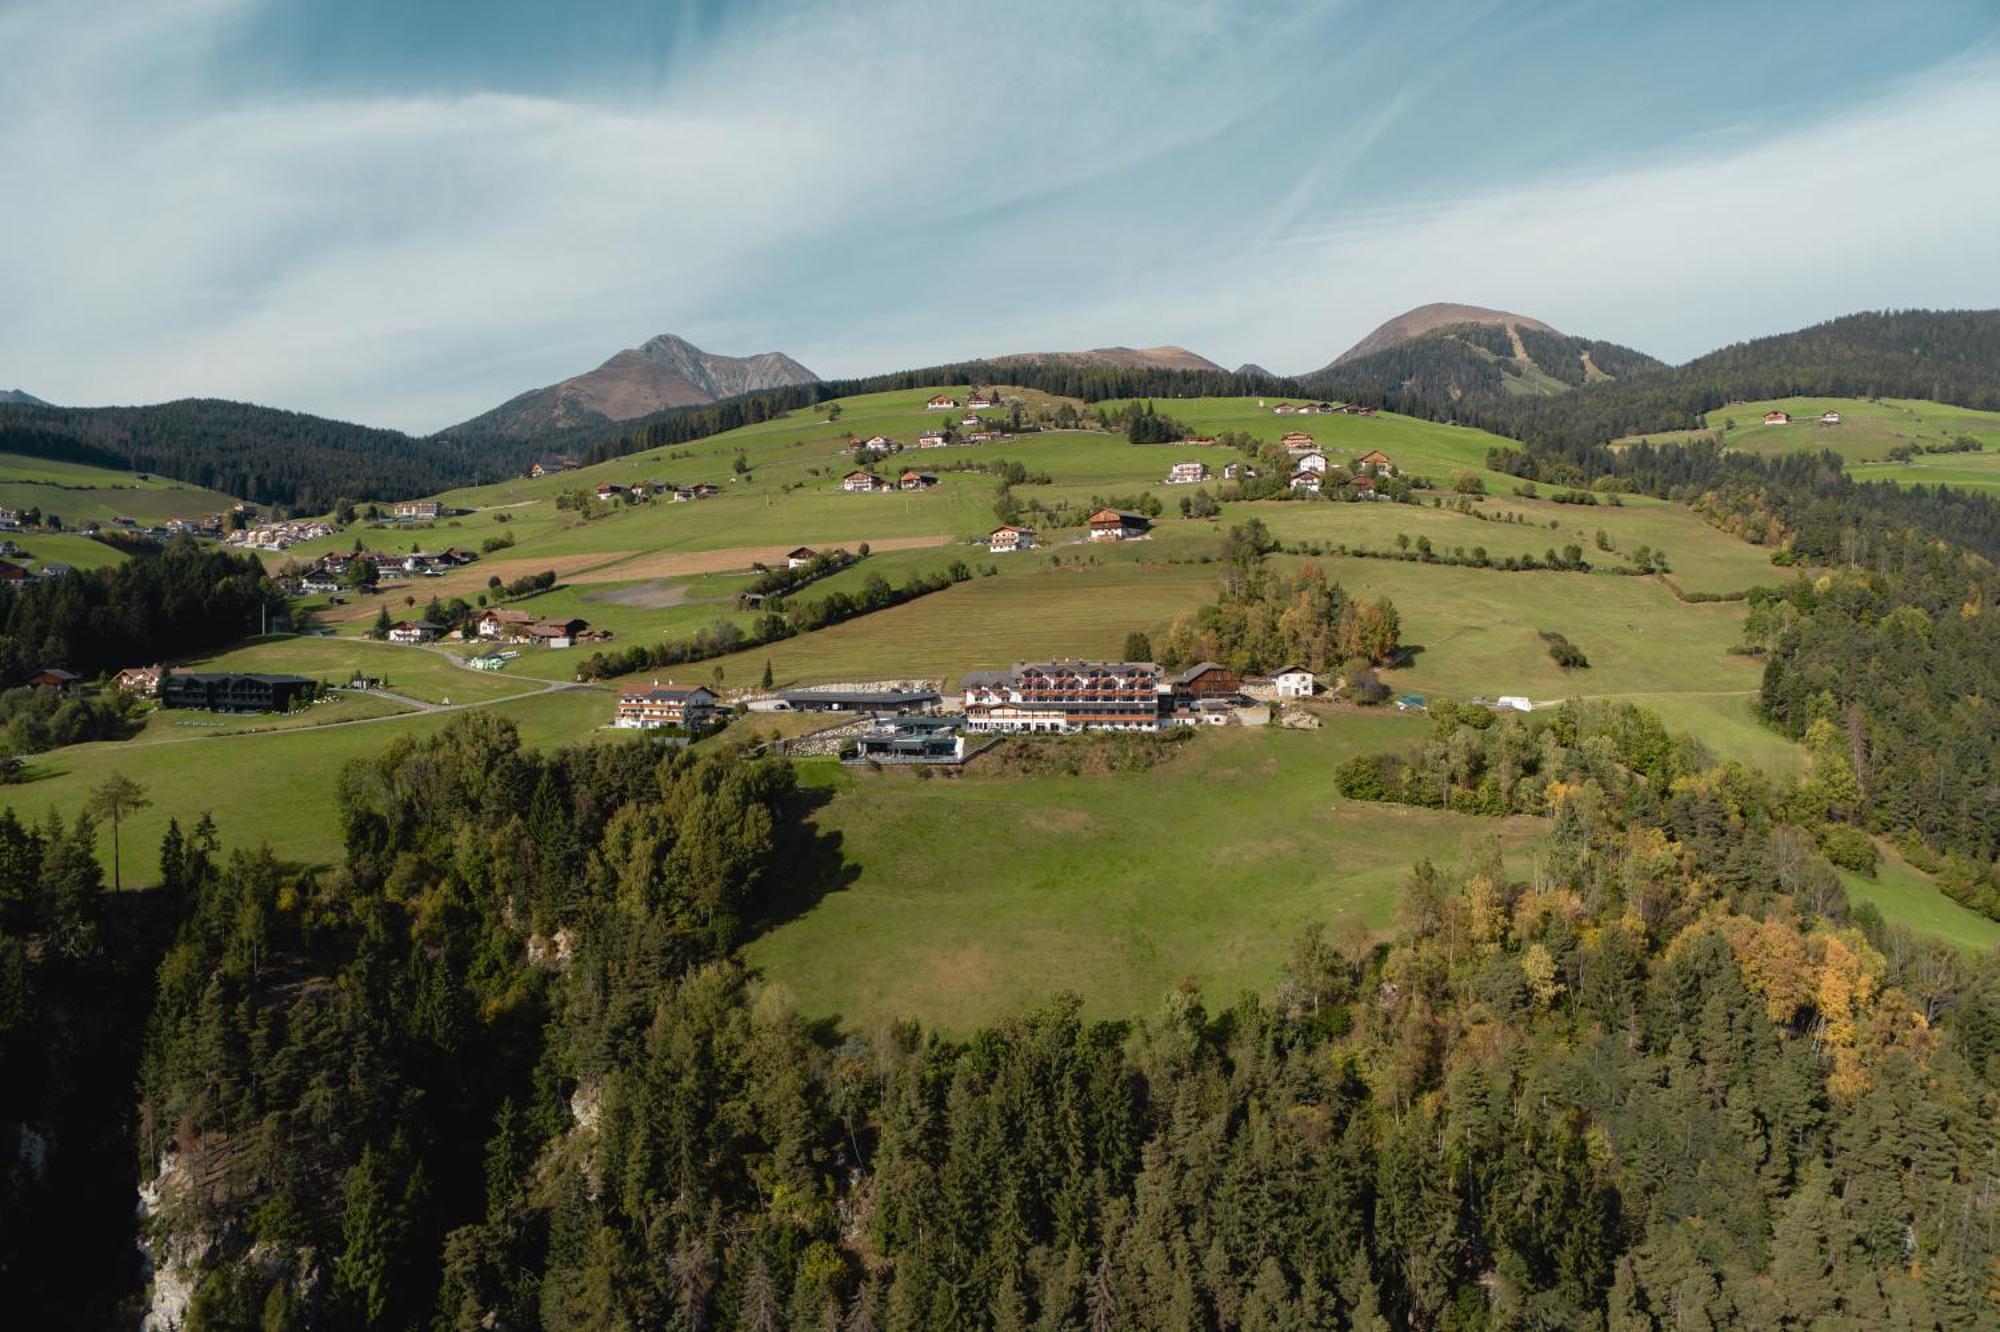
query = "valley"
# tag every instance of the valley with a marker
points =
(897, 941)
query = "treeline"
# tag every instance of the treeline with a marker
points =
(498, 1071)
(780, 620)
(261, 454)
(186, 600)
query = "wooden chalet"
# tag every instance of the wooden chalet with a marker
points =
(1118, 525)
(1007, 538)
(679, 707)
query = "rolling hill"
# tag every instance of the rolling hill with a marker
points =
(1415, 323)
(661, 373)
(1447, 358)
(262, 454)
(1121, 358)
(22, 397)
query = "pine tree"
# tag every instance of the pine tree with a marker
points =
(371, 1228)
(758, 1311)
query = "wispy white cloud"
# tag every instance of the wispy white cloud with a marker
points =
(877, 184)
(311, 251)
(1689, 248)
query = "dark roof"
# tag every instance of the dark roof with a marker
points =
(261, 678)
(58, 672)
(1197, 670)
(670, 693)
(858, 698)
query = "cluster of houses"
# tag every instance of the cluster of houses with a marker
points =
(1065, 697)
(980, 400)
(19, 575)
(505, 624)
(1779, 418)
(608, 491)
(210, 691)
(1319, 409)
(332, 571)
(549, 467)
(280, 536)
(1103, 524)
(943, 437)
(1313, 472)
(865, 482)
(903, 724)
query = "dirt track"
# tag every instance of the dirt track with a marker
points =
(675, 563)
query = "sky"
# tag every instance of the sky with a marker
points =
(404, 213)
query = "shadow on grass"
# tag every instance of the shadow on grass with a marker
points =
(811, 864)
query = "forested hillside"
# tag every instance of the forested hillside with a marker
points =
(497, 1070)
(260, 454)
(1944, 355)
(1458, 368)
(97, 621)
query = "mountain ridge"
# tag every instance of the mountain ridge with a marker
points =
(663, 372)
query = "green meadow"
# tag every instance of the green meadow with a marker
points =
(1868, 430)
(79, 493)
(73, 549)
(1114, 886)
(265, 786)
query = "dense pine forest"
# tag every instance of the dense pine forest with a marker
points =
(184, 600)
(261, 454)
(498, 1070)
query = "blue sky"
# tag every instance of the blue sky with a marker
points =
(404, 213)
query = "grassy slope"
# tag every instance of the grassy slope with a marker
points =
(1120, 937)
(79, 493)
(77, 551)
(1113, 886)
(1904, 895)
(1868, 430)
(270, 788)
(413, 672)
